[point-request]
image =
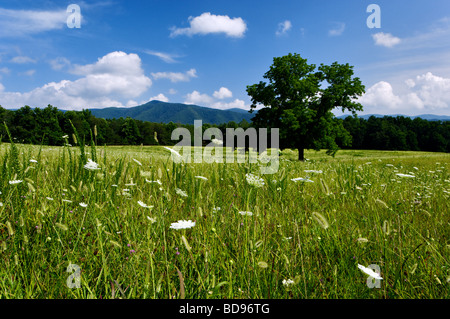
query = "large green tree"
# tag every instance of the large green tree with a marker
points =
(298, 99)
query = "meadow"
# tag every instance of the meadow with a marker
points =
(298, 233)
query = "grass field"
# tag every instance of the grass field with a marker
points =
(269, 238)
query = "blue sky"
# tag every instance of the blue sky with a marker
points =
(126, 53)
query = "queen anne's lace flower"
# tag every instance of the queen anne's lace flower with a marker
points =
(182, 224)
(91, 165)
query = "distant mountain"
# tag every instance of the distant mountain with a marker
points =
(163, 112)
(428, 117)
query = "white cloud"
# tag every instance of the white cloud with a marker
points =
(337, 30)
(197, 98)
(223, 93)
(172, 91)
(176, 76)
(22, 60)
(215, 102)
(59, 63)
(237, 103)
(427, 93)
(15, 23)
(115, 76)
(166, 57)
(2, 88)
(160, 97)
(208, 23)
(380, 95)
(385, 39)
(29, 72)
(283, 27)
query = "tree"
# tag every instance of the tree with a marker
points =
(298, 100)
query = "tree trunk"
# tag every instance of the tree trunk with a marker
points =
(301, 154)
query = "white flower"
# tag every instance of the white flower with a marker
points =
(65, 136)
(254, 180)
(15, 182)
(181, 192)
(33, 161)
(139, 163)
(142, 204)
(369, 272)
(201, 177)
(151, 219)
(288, 282)
(405, 175)
(182, 224)
(300, 179)
(243, 213)
(157, 181)
(49, 198)
(216, 209)
(216, 141)
(83, 204)
(312, 171)
(66, 200)
(91, 165)
(1, 204)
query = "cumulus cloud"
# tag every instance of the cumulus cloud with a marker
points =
(197, 98)
(385, 39)
(283, 27)
(216, 101)
(160, 97)
(176, 76)
(114, 76)
(223, 93)
(208, 23)
(337, 30)
(426, 93)
(15, 23)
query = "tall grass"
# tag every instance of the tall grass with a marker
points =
(356, 211)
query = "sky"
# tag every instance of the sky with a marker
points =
(110, 53)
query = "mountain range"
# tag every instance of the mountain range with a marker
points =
(163, 112)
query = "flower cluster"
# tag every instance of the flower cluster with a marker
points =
(182, 224)
(91, 165)
(254, 180)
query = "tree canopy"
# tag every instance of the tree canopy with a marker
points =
(298, 99)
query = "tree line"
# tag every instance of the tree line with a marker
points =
(47, 126)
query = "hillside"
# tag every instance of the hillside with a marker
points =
(163, 112)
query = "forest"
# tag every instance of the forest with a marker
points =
(47, 126)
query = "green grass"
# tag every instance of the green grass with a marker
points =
(373, 217)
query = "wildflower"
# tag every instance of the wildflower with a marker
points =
(254, 180)
(91, 165)
(65, 136)
(288, 282)
(246, 213)
(66, 200)
(405, 175)
(216, 141)
(15, 182)
(300, 179)
(181, 192)
(369, 272)
(83, 204)
(157, 181)
(216, 209)
(33, 161)
(182, 224)
(312, 171)
(49, 198)
(151, 219)
(142, 204)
